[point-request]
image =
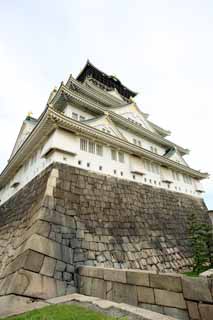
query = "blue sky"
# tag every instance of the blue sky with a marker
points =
(161, 49)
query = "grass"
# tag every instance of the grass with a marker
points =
(63, 312)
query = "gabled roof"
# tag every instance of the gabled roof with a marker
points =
(27, 126)
(105, 120)
(64, 95)
(110, 82)
(173, 153)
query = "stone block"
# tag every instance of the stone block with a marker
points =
(145, 295)
(166, 281)
(34, 261)
(169, 299)
(67, 276)
(6, 284)
(196, 289)
(206, 311)
(152, 307)
(115, 275)
(48, 267)
(124, 293)
(16, 264)
(58, 275)
(47, 247)
(93, 287)
(38, 227)
(139, 278)
(207, 273)
(91, 272)
(60, 288)
(32, 285)
(54, 217)
(176, 313)
(70, 268)
(71, 290)
(60, 266)
(193, 310)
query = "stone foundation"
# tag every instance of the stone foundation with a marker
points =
(67, 217)
(178, 296)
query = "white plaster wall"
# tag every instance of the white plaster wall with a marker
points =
(61, 139)
(71, 143)
(130, 111)
(31, 168)
(70, 108)
(145, 143)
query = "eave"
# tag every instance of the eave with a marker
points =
(161, 131)
(88, 89)
(67, 123)
(52, 119)
(121, 88)
(97, 107)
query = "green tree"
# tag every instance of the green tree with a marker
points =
(201, 242)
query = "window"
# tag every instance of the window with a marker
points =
(83, 144)
(133, 177)
(99, 149)
(88, 164)
(79, 162)
(122, 173)
(176, 175)
(91, 147)
(82, 118)
(154, 149)
(114, 154)
(114, 171)
(121, 156)
(100, 168)
(137, 142)
(74, 116)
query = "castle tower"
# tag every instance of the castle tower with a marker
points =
(93, 181)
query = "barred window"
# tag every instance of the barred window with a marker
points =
(114, 154)
(74, 116)
(99, 149)
(82, 118)
(147, 165)
(121, 156)
(83, 144)
(91, 147)
(134, 141)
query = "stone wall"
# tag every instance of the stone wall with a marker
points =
(175, 295)
(67, 217)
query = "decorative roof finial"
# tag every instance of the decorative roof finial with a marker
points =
(29, 114)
